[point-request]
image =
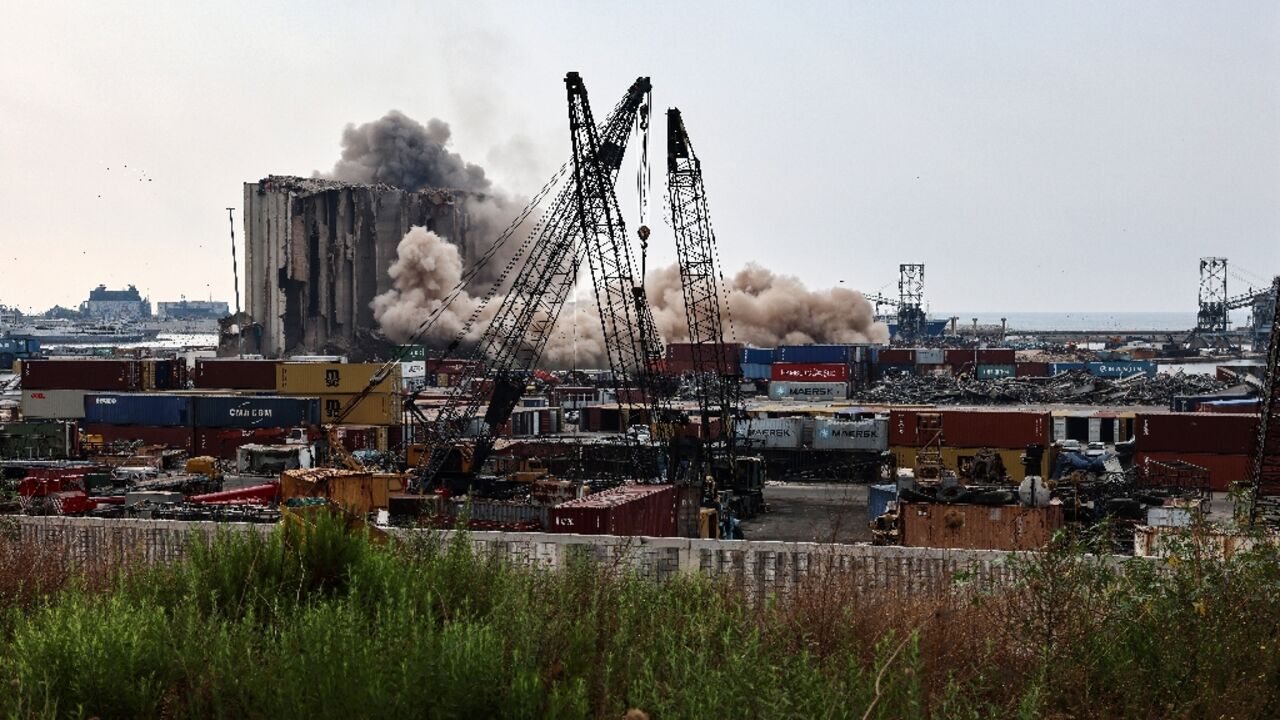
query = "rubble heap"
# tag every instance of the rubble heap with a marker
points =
(1072, 387)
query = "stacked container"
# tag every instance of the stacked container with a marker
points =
(965, 431)
(757, 363)
(337, 385)
(1222, 443)
(680, 359)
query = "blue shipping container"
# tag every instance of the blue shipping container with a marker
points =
(239, 411)
(878, 499)
(138, 409)
(757, 356)
(815, 354)
(757, 371)
(1061, 367)
(1122, 368)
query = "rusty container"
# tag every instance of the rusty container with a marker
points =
(978, 527)
(648, 510)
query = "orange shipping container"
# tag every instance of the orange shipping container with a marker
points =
(978, 527)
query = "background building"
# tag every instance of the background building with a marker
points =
(185, 309)
(104, 304)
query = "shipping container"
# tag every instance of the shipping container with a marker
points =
(806, 372)
(757, 356)
(686, 351)
(1031, 369)
(636, 510)
(411, 353)
(223, 442)
(994, 372)
(163, 374)
(807, 391)
(325, 378)
(413, 370)
(1231, 406)
(773, 432)
(178, 438)
(1221, 433)
(757, 371)
(234, 374)
(163, 410)
(996, 356)
(1057, 368)
(818, 354)
(871, 435)
(970, 428)
(372, 409)
(1224, 469)
(1122, 369)
(81, 375)
(453, 366)
(357, 492)
(978, 527)
(895, 356)
(959, 459)
(53, 404)
(878, 499)
(241, 411)
(930, 356)
(47, 439)
(886, 371)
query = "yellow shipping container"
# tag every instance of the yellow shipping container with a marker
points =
(373, 409)
(952, 457)
(354, 491)
(323, 378)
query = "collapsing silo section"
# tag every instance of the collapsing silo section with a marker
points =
(317, 253)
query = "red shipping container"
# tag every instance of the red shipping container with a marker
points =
(81, 375)
(223, 442)
(179, 438)
(1232, 408)
(1223, 469)
(1031, 369)
(232, 374)
(805, 372)
(896, 356)
(648, 510)
(1010, 429)
(996, 356)
(685, 351)
(1217, 433)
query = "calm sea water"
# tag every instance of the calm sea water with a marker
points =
(1085, 321)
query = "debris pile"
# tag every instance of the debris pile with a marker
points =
(1071, 387)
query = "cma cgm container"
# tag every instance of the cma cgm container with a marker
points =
(978, 527)
(1216, 433)
(648, 510)
(232, 374)
(322, 378)
(808, 372)
(757, 356)
(53, 404)
(993, 372)
(81, 375)
(241, 411)
(1122, 369)
(871, 435)
(372, 409)
(138, 409)
(808, 391)
(773, 432)
(824, 354)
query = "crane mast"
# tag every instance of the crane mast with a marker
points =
(512, 342)
(718, 388)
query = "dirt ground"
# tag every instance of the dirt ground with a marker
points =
(812, 513)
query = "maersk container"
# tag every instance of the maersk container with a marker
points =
(241, 411)
(992, 372)
(757, 356)
(843, 354)
(810, 372)
(155, 409)
(53, 404)
(1122, 369)
(870, 435)
(757, 371)
(773, 432)
(808, 391)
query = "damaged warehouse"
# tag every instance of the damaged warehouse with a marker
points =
(317, 253)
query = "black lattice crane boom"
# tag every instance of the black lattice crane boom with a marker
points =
(718, 385)
(1266, 454)
(540, 277)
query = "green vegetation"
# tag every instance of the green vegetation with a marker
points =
(320, 622)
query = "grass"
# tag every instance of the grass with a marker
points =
(319, 622)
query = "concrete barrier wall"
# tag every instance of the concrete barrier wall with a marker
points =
(758, 568)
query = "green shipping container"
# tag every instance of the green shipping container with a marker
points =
(408, 353)
(991, 372)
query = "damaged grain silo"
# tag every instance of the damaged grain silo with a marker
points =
(317, 253)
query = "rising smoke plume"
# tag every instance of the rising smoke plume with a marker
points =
(766, 309)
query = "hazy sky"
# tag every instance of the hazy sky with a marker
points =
(1034, 155)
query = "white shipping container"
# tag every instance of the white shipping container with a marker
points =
(869, 435)
(413, 369)
(929, 356)
(773, 432)
(811, 392)
(53, 404)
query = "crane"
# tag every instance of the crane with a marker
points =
(581, 220)
(1266, 455)
(718, 386)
